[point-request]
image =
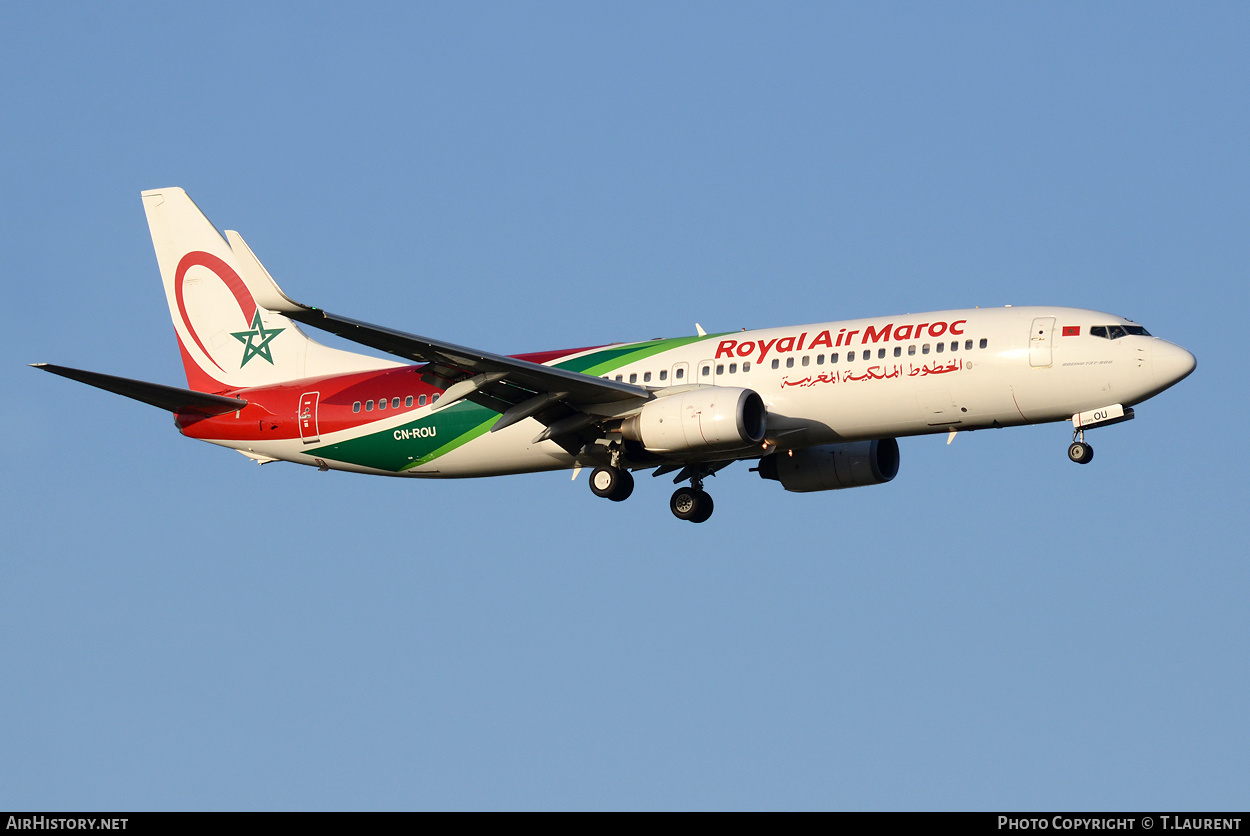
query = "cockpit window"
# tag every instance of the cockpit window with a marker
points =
(1114, 332)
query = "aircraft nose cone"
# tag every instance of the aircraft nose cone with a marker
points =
(1172, 364)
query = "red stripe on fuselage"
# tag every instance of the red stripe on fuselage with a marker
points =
(271, 411)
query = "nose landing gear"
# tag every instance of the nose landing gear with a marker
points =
(1079, 451)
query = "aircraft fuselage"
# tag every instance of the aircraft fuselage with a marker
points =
(823, 383)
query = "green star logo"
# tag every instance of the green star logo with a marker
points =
(256, 341)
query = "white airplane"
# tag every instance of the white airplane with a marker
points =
(818, 406)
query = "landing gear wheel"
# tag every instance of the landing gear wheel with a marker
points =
(691, 504)
(705, 508)
(612, 483)
(1081, 453)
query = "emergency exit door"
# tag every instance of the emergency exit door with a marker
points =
(308, 417)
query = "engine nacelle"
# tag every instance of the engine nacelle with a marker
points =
(829, 467)
(700, 419)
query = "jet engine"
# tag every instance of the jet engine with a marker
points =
(714, 417)
(829, 467)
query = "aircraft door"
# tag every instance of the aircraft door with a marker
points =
(308, 417)
(1040, 340)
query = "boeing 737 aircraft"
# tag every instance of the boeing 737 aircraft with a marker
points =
(817, 406)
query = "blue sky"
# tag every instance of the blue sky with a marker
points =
(997, 628)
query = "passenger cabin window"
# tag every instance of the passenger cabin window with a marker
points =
(806, 360)
(880, 353)
(776, 363)
(984, 342)
(733, 368)
(435, 398)
(381, 403)
(368, 406)
(620, 378)
(941, 347)
(421, 400)
(746, 367)
(898, 351)
(850, 357)
(820, 359)
(789, 362)
(679, 374)
(707, 370)
(911, 349)
(967, 345)
(720, 368)
(663, 374)
(924, 349)
(633, 378)
(394, 403)
(646, 377)
(356, 406)
(408, 401)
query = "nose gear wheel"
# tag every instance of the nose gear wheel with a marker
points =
(1079, 451)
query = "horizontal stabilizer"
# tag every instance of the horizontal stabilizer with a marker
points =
(165, 397)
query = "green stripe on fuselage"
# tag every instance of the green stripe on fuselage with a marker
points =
(414, 443)
(436, 434)
(598, 362)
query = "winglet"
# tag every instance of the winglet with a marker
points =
(264, 289)
(697, 327)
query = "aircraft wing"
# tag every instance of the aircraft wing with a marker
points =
(517, 388)
(455, 362)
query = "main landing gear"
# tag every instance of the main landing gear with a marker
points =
(692, 503)
(612, 483)
(1079, 451)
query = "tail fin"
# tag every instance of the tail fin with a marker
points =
(228, 341)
